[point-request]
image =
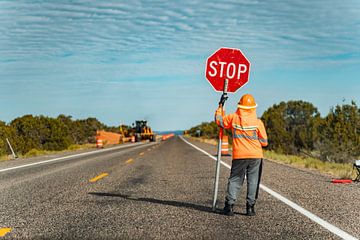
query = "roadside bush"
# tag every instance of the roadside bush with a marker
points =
(30, 135)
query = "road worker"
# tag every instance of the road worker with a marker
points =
(249, 136)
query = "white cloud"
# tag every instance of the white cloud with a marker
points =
(111, 42)
(298, 28)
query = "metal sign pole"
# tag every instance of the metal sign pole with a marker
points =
(218, 161)
(12, 150)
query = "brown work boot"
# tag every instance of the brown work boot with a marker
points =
(229, 209)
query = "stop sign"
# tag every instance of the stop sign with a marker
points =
(227, 63)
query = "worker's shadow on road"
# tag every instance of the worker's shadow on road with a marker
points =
(157, 201)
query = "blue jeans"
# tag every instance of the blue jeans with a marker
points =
(239, 168)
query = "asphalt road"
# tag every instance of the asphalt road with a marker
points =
(163, 191)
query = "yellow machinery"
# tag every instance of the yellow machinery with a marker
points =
(143, 132)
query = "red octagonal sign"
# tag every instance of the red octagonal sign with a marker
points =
(228, 63)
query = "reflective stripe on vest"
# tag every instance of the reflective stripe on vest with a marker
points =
(247, 128)
(219, 117)
(253, 137)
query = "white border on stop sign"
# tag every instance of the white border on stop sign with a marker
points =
(229, 49)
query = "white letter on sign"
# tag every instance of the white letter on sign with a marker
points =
(242, 69)
(212, 63)
(228, 74)
(222, 68)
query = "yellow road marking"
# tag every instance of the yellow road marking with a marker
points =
(4, 231)
(129, 161)
(142, 153)
(98, 177)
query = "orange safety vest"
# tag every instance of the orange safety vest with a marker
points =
(249, 134)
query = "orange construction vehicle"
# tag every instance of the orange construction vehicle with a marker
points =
(142, 131)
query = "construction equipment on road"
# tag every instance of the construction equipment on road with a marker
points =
(108, 137)
(139, 132)
(142, 131)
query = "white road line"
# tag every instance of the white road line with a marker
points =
(206, 153)
(335, 230)
(69, 157)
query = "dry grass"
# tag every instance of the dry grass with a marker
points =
(204, 140)
(36, 152)
(5, 158)
(73, 147)
(338, 170)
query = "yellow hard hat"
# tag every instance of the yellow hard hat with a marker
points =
(247, 102)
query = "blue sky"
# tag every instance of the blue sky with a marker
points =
(120, 61)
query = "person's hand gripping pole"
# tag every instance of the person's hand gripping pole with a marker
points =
(223, 99)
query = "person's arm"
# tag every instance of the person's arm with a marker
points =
(221, 119)
(262, 134)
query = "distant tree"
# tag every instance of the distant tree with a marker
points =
(57, 135)
(85, 130)
(28, 132)
(292, 126)
(41, 133)
(3, 136)
(46, 133)
(7, 131)
(340, 134)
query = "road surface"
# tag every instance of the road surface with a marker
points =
(163, 191)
